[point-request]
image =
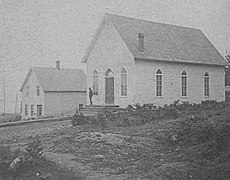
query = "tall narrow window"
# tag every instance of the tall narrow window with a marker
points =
(38, 91)
(26, 109)
(159, 83)
(206, 84)
(39, 110)
(95, 82)
(123, 82)
(184, 84)
(32, 110)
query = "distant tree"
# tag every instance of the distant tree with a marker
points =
(227, 69)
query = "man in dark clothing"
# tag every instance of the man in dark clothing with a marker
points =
(90, 96)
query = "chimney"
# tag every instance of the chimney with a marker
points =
(141, 42)
(57, 64)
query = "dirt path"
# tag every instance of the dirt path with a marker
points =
(26, 130)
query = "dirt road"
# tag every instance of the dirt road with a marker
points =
(33, 129)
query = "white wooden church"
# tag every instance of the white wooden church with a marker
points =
(136, 61)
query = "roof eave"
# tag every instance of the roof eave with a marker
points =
(25, 80)
(94, 40)
(62, 91)
(180, 62)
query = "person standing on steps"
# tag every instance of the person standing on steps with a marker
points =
(90, 96)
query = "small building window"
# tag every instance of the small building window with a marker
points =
(39, 110)
(32, 110)
(95, 82)
(158, 83)
(124, 82)
(26, 109)
(27, 90)
(184, 84)
(206, 85)
(38, 90)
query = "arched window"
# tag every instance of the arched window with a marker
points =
(206, 85)
(158, 83)
(123, 82)
(109, 73)
(184, 83)
(95, 82)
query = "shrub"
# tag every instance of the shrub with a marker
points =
(137, 106)
(109, 115)
(208, 139)
(149, 106)
(137, 114)
(78, 120)
(102, 119)
(209, 104)
(13, 161)
(170, 112)
(18, 118)
(129, 108)
(34, 151)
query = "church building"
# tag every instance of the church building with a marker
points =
(133, 61)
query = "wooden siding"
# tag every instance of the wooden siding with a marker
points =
(32, 98)
(63, 103)
(146, 82)
(111, 52)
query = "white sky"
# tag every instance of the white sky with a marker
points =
(39, 32)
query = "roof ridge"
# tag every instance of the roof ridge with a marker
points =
(167, 41)
(53, 68)
(152, 22)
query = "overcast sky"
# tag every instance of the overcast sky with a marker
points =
(39, 32)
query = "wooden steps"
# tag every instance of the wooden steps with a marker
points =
(94, 110)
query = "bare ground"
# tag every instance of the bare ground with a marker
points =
(92, 152)
(123, 153)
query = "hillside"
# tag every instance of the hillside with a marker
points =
(180, 141)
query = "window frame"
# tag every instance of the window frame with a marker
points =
(159, 83)
(38, 90)
(95, 83)
(206, 85)
(184, 86)
(32, 109)
(26, 109)
(124, 82)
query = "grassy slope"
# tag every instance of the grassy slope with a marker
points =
(181, 142)
(195, 145)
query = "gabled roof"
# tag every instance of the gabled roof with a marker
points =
(60, 80)
(162, 41)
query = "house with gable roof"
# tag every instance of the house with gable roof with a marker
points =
(52, 91)
(137, 61)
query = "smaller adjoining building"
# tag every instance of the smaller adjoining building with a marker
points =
(52, 92)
